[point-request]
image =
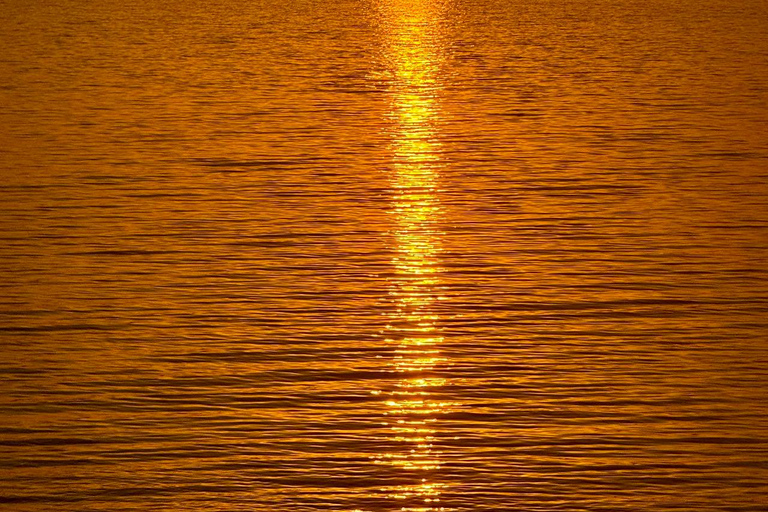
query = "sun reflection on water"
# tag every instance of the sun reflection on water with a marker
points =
(413, 31)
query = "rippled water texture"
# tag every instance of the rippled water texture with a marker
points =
(384, 255)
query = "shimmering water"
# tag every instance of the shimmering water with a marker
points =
(379, 255)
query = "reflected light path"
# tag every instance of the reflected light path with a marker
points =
(414, 52)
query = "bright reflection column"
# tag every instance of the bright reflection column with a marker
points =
(413, 30)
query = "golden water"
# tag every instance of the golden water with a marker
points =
(384, 255)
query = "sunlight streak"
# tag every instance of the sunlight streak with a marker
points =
(415, 53)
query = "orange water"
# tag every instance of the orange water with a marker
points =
(384, 255)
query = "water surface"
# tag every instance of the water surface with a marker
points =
(380, 255)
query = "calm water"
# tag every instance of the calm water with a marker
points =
(380, 255)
